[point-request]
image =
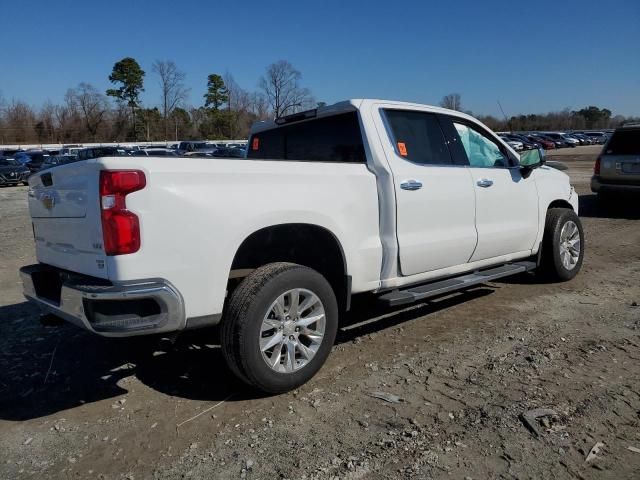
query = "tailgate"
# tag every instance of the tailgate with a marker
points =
(63, 203)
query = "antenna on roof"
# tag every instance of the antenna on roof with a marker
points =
(505, 117)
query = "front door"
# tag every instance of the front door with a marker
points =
(506, 202)
(435, 200)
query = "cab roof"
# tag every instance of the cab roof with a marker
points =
(350, 106)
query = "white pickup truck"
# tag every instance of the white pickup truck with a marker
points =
(403, 200)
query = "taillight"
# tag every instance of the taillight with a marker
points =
(120, 227)
(596, 167)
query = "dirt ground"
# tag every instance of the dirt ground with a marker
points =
(466, 368)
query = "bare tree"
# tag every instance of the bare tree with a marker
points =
(47, 117)
(259, 105)
(453, 101)
(20, 119)
(281, 86)
(92, 105)
(239, 105)
(172, 88)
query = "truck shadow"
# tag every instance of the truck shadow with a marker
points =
(46, 370)
(623, 207)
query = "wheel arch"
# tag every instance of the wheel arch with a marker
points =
(306, 244)
(559, 203)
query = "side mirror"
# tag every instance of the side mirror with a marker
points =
(530, 160)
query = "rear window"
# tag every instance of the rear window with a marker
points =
(331, 139)
(624, 142)
(418, 137)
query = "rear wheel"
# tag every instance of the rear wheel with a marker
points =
(562, 245)
(279, 327)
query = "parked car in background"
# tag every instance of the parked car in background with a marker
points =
(229, 153)
(515, 144)
(154, 152)
(558, 142)
(192, 146)
(599, 137)
(583, 138)
(56, 160)
(10, 152)
(526, 143)
(573, 140)
(545, 143)
(70, 150)
(32, 159)
(617, 169)
(97, 152)
(13, 172)
(562, 137)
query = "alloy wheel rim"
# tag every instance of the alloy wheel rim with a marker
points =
(570, 245)
(292, 330)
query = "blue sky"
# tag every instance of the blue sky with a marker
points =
(547, 55)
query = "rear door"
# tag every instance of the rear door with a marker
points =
(63, 203)
(620, 162)
(506, 203)
(435, 218)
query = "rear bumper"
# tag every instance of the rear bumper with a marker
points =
(112, 310)
(598, 185)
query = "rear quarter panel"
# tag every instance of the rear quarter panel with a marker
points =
(195, 213)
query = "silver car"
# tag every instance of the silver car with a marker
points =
(617, 169)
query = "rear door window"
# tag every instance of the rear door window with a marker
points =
(337, 138)
(417, 137)
(624, 142)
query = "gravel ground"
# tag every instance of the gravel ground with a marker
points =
(457, 375)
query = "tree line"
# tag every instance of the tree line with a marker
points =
(118, 114)
(226, 110)
(588, 118)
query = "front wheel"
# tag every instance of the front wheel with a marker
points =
(562, 245)
(279, 327)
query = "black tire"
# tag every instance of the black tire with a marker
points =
(551, 265)
(250, 302)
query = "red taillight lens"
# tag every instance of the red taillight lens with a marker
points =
(120, 227)
(596, 167)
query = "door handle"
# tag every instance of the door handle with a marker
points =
(484, 183)
(411, 185)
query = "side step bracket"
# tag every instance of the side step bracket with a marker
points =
(416, 293)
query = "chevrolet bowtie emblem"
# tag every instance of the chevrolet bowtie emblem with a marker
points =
(48, 200)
